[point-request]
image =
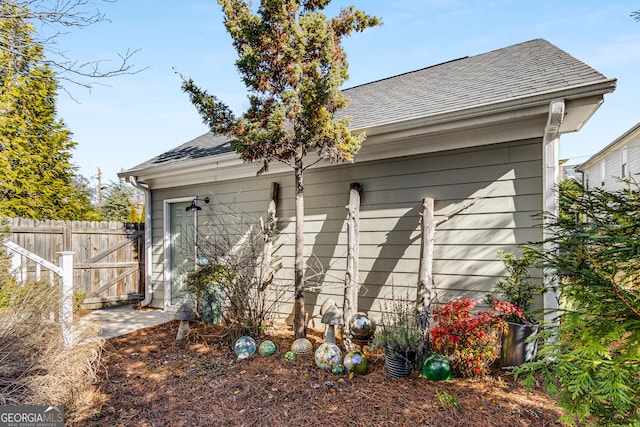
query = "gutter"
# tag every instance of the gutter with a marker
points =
(550, 187)
(148, 293)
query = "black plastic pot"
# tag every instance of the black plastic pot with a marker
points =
(517, 348)
(399, 364)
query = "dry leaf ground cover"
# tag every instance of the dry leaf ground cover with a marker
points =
(147, 378)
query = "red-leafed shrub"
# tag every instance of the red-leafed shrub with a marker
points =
(470, 339)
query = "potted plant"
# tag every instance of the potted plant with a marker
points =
(519, 289)
(399, 335)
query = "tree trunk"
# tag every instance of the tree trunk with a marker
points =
(299, 326)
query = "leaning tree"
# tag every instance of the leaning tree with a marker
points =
(292, 62)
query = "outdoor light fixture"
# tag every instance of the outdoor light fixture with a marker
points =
(194, 207)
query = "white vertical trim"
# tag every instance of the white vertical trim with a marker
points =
(550, 183)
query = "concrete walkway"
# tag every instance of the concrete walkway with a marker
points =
(123, 320)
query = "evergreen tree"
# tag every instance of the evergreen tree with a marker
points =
(118, 202)
(293, 64)
(590, 358)
(36, 174)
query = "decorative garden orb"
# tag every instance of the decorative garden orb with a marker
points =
(338, 369)
(328, 355)
(361, 327)
(355, 362)
(243, 355)
(245, 343)
(437, 367)
(267, 348)
(302, 346)
(289, 355)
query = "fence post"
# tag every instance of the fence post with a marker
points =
(352, 280)
(18, 268)
(65, 261)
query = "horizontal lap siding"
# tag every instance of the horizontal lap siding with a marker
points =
(466, 246)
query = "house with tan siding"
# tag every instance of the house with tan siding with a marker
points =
(483, 128)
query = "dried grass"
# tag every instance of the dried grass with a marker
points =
(36, 367)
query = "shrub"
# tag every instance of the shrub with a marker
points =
(469, 339)
(230, 285)
(590, 358)
(517, 288)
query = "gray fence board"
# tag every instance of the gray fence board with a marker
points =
(108, 255)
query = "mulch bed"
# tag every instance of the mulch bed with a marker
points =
(148, 378)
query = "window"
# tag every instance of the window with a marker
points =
(624, 161)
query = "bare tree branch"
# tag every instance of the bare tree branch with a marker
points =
(52, 20)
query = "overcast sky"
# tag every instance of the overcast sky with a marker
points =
(132, 118)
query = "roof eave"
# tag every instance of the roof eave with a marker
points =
(619, 142)
(588, 97)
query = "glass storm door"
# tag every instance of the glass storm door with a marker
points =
(181, 249)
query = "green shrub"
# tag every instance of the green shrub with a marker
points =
(590, 358)
(517, 288)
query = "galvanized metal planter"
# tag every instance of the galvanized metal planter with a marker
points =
(517, 348)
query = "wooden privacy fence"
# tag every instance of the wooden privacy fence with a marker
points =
(108, 256)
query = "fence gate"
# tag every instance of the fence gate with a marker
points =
(109, 256)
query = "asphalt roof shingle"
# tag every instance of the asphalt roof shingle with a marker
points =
(512, 72)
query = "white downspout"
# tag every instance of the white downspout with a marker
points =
(148, 293)
(550, 186)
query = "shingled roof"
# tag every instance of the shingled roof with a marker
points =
(513, 72)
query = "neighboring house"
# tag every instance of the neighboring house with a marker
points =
(484, 127)
(570, 171)
(616, 162)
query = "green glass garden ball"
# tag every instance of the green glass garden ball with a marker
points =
(437, 368)
(302, 346)
(289, 355)
(266, 348)
(338, 369)
(355, 362)
(245, 343)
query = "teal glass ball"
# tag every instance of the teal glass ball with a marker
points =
(245, 343)
(266, 348)
(338, 369)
